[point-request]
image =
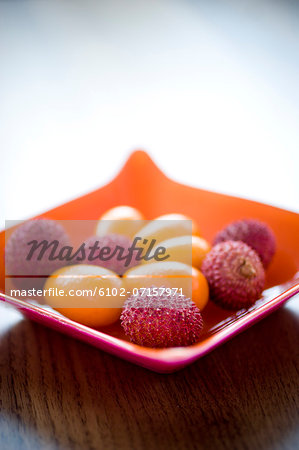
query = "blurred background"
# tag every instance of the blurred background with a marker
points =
(209, 88)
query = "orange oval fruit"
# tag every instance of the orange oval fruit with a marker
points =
(172, 274)
(200, 249)
(83, 286)
(176, 216)
(189, 250)
(200, 289)
(124, 220)
(160, 230)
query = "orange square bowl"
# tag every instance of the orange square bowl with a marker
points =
(141, 184)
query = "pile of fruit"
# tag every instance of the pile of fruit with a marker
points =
(163, 300)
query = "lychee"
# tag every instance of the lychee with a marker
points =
(254, 233)
(156, 319)
(235, 274)
(29, 269)
(118, 259)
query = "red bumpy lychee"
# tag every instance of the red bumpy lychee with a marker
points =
(235, 274)
(30, 272)
(254, 233)
(156, 319)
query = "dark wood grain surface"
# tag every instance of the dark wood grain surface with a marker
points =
(58, 393)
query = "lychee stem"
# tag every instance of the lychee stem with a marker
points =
(247, 270)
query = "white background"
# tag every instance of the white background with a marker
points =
(210, 89)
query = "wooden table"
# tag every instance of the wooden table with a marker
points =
(56, 392)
